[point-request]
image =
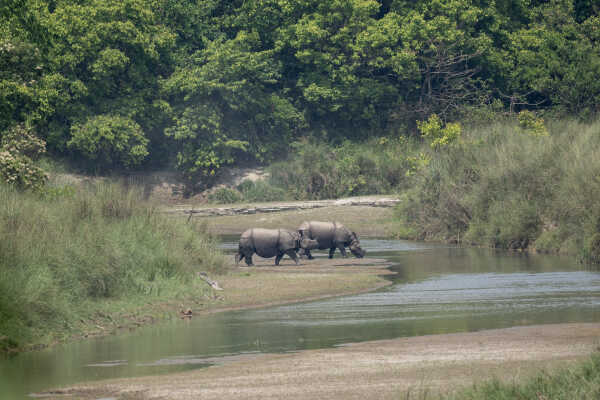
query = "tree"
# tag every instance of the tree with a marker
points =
(556, 60)
(112, 140)
(227, 104)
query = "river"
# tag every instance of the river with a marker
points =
(437, 289)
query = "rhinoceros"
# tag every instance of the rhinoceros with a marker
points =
(330, 235)
(269, 243)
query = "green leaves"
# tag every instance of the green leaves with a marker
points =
(439, 136)
(555, 59)
(227, 103)
(210, 82)
(112, 140)
(19, 147)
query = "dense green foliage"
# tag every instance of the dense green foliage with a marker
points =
(19, 149)
(507, 185)
(581, 381)
(66, 254)
(202, 84)
(249, 191)
(319, 171)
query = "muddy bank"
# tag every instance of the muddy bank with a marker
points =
(388, 369)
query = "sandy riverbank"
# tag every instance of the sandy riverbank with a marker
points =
(389, 369)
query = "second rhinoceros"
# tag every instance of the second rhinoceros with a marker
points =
(269, 243)
(330, 235)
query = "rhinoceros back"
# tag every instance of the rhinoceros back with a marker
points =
(323, 232)
(265, 241)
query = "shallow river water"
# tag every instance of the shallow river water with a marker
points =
(437, 289)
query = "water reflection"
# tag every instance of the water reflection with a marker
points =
(438, 289)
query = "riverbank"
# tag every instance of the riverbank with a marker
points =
(366, 221)
(262, 285)
(423, 367)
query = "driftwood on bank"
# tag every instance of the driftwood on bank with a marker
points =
(205, 278)
(278, 207)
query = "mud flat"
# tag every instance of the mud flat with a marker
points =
(389, 369)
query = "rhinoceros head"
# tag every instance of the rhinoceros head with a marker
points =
(355, 247)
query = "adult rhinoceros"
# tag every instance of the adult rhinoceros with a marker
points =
(330, 235)
(269, 243)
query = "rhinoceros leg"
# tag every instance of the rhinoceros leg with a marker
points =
(278, 258)
(248, 257)
(304, 253)
(293, 256)
(331, 251)
(342, 250)
(238, 257)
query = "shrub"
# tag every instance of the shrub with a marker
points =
(110, 139)
(19, 147)
(318, 171)
(531, 124)
(439, 136)
(225, 195)
(260, 190)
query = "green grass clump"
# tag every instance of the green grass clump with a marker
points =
(249, 192)
(317, 170)
(580, 382)
(62, 252)
(503, 187)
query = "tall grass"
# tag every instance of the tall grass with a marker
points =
(320, 171)
(581, 382)
(61, 251)
(503, 187)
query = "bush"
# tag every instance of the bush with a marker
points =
(318, 171)
(112, 140)
(225, 195)
(260, 190)
(531, 124)
(19, 147)
(438, 136)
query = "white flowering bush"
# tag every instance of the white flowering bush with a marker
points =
(19, 147)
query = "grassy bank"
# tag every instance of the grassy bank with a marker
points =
(72, 260)
(506, 186)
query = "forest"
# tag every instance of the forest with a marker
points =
(111, 85)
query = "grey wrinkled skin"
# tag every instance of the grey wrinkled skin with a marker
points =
(330, 235)
(269, 243)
